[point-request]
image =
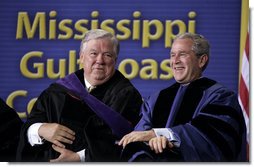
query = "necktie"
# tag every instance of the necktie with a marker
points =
(176, 104)
(90, 88)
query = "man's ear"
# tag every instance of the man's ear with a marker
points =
(81, 56)
(203, 60)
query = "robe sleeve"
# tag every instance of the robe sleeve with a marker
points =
(216, 131)
(25, 151)
(147, 107)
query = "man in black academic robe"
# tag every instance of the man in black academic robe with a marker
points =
(87, 125)
(56, 105)
(10, 126)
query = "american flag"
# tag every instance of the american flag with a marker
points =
(245, 70)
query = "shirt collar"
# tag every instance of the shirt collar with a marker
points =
(88, 85)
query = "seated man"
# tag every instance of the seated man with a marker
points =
(83, 126)
(10, 126)
(195, 119)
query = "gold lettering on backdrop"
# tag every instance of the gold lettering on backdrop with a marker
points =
(124, 29)
(17, 94)
(47, 26)
(39, 68)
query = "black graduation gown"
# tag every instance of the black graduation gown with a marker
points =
(92, 134)
(10, 126)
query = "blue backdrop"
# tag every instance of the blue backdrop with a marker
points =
(38, 36)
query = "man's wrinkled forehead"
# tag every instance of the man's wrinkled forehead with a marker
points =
(182, 45)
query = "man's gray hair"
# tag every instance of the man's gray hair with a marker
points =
(200, 46)
(97, 34)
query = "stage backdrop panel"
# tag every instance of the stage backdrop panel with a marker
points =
(40, 41)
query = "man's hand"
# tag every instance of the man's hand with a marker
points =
(137, 136)
(65, 155)
(56, 134)
(158, 144)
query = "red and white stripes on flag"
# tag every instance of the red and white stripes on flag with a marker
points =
(244, 85)
(244, 69)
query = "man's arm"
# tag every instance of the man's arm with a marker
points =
(52, 132)
(134, 136)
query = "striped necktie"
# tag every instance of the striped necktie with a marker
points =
(91, 88)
